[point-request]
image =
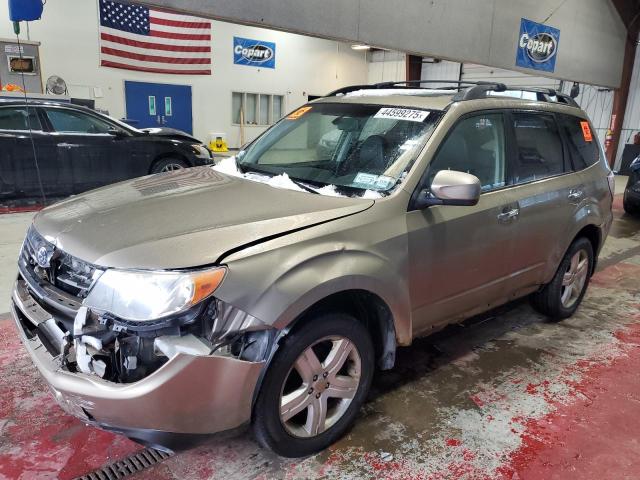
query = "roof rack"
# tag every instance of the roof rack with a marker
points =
(542, 94)
(408, 84)
(466, 90)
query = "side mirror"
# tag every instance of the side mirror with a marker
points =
(450, 187)
(116, 132)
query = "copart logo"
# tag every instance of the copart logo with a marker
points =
(540, 47)
(255, 53)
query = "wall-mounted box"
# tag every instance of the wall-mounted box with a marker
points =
(18, 60)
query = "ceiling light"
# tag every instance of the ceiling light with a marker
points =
(361, 47)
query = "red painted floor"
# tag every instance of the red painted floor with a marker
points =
(37, 440)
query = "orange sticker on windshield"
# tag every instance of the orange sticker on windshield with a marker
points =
(298, 113)
(586, 131)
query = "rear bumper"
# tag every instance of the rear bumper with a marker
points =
(189, 394)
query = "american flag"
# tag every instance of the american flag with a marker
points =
(134, 37)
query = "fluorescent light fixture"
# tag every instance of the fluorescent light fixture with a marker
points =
(360, 46)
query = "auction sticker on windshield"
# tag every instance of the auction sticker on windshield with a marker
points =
(298, 113)
(402, 114)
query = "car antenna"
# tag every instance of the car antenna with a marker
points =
(16, 29)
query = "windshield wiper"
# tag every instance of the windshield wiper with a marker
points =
(304, 186)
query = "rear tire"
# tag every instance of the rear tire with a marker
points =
(314, 386)
(561, 297)
(168, 165)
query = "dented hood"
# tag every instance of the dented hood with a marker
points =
(181, 219)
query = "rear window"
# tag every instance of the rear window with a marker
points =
(581, 141)
(539, 147)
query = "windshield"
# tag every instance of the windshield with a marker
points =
(351, 146)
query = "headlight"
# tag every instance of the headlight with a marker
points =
(144, 295)
(201, 151)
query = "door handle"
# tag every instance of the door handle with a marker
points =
(68, 145)
(575, 195)
(505, 217)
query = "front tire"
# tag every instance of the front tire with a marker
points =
(168, 165)
(561, 297)
(315, 386)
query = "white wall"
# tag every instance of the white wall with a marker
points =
(69, 34)
(387, 66)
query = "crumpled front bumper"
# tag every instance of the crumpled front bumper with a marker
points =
(189, 394)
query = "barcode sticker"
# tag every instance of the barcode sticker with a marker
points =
(402, 114)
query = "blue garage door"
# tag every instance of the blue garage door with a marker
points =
(159, 105)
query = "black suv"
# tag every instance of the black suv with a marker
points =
(78, 149)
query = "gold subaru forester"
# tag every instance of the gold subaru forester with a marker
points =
(264, 291)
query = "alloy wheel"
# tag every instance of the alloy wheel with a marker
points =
(171, 167)
(574, 278)
(320, 386)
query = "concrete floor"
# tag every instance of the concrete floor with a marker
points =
(507, 395)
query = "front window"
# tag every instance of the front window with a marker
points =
(70, 121)
(352, 147)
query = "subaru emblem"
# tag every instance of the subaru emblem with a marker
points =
(43, 257)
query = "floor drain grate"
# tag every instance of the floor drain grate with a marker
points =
(128, 466)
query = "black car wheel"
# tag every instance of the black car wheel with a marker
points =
(168, 165)
(314, 386)
(632, 208)
(561, 297)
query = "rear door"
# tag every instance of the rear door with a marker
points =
(24, 175)
(458, 256)
(547, 194)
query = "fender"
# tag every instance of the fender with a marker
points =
(279, 297)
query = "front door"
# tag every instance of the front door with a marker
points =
(159, 105)
(86, 145)
(459, 256)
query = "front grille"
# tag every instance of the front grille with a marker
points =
(66, 272)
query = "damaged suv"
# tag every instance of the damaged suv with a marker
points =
(265, 290)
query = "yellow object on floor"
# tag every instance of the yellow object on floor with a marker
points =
(218, 143)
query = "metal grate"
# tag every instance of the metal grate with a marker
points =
(128, 466)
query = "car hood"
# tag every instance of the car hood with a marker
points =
(171, 133)
(182, 219)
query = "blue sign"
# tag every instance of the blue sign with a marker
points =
(254, 53)
(537, 46)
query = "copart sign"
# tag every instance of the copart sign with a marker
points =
(254, 53)
(537, 46)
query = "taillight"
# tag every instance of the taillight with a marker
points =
(612, 183)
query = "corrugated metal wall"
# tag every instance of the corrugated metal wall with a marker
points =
(596, 101)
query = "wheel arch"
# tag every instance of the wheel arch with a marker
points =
(368, 308)
(592, 233)
(164, 156)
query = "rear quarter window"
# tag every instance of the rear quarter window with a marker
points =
(582, 145)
